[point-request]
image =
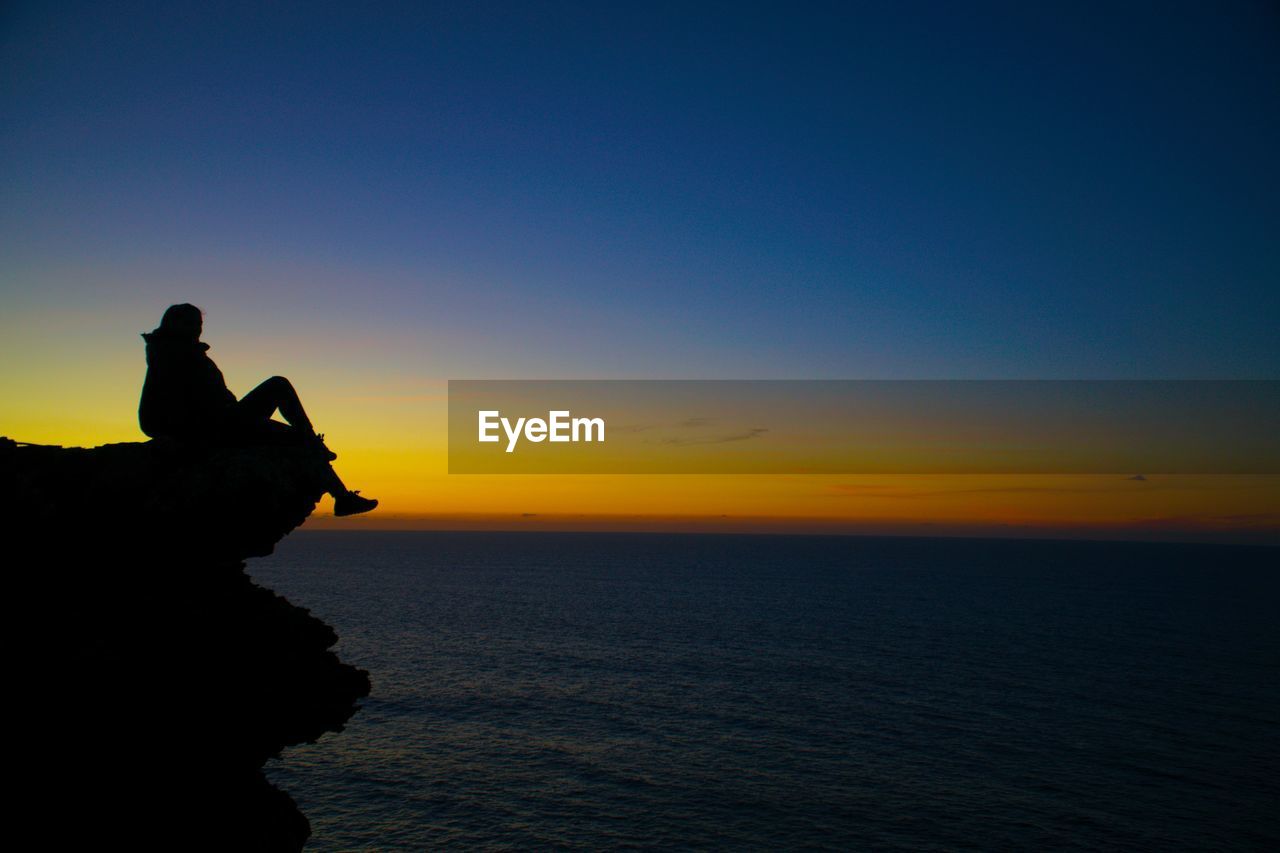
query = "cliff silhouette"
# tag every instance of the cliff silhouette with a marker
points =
(156, 678)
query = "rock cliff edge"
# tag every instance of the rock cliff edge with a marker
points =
(157, 678)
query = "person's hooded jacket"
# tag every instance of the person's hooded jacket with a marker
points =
(184, 394)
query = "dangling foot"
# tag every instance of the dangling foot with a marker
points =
(350, 503)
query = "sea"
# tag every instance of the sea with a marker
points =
(595, 691)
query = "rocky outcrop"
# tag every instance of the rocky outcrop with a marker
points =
(156, 677)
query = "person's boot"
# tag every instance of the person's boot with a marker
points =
(350, 503)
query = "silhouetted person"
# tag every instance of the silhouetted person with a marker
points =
(185, 396)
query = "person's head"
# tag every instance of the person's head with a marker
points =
(182, 321)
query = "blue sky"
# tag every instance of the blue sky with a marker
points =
(664, 190)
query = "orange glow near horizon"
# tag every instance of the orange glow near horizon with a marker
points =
(391, 440)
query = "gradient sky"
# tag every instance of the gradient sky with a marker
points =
(373, 198)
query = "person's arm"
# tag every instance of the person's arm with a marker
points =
(211, 391)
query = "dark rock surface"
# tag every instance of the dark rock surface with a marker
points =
(156, 677)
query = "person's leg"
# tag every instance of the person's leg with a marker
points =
(345, 501)
(334, 482)
(277, 393)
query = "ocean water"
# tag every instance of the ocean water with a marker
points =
(589, 691)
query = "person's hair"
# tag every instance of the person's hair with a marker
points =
(178, 319)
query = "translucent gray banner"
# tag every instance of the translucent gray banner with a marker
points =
(864, 426)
